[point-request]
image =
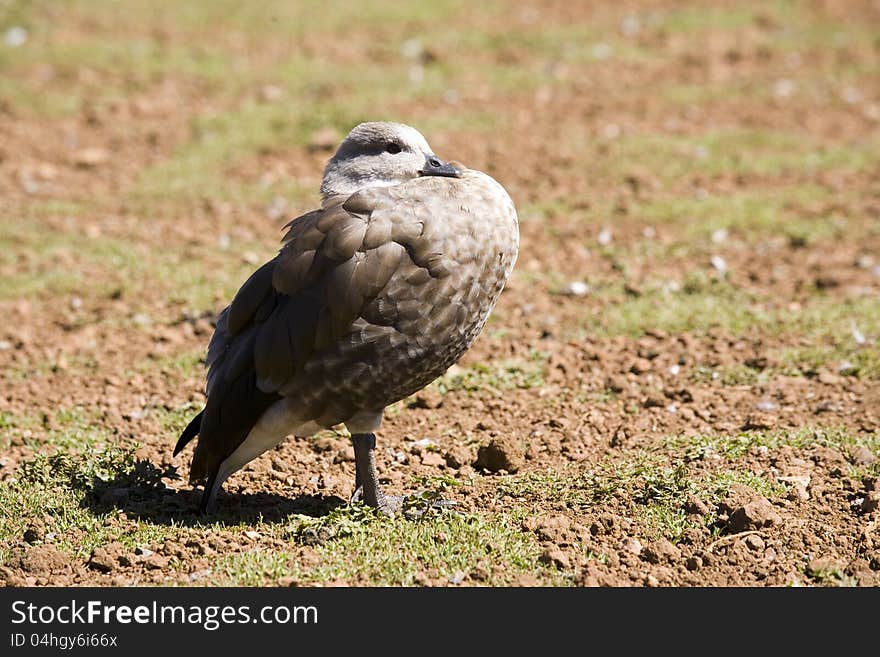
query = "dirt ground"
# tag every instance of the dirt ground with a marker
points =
(679, 386)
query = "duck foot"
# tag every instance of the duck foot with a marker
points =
(367, 489)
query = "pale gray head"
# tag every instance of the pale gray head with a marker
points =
(380, 154)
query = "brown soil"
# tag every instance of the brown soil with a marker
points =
(603, 398)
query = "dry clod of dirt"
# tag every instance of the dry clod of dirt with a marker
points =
(106, 559)
(754, 542)
(799, 492)
(822, 565)
(553, 556)
(694, 563)
(156, 562)
(641, 366)
(33, 534)
(199, 546)
(759, 422)
(753, 515)
(631, 545)
(863, 456)
(615, 384)
(426, 399)
(343, 455)
(654, 400)
(433, 459)
(593, 576)
(500, 454)
(41, 560)
(553, 528)
(871, 502)
(661, 551)
(90, 157)
(696, 506)
(457, 457)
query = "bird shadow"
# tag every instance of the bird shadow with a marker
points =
(141, 494)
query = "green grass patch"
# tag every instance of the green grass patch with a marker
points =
(184, 363)
(47, 261)
(749, 215)
(702, 302)
(63, 428)
(271, 19)
(830, 323)
(830, 576)
(731, 447)
(357, 545)
(656, 486)
(709, 17)
(174, 420)
(495, 376)
(52, 490)
(862, 362)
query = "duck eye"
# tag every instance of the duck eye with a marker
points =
(392, 148)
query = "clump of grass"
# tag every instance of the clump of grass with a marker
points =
(56, 488)
(78, 472)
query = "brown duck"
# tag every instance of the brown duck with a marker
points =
(371, 297)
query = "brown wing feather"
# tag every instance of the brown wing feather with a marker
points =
(306, 296)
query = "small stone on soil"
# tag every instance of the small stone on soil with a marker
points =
(577, 289)
(641, 366)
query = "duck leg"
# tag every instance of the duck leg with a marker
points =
(366, 482)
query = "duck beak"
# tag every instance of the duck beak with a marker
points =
(434, 166)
